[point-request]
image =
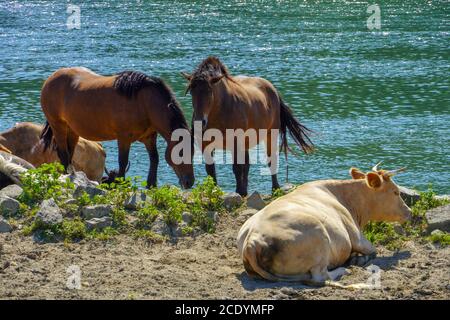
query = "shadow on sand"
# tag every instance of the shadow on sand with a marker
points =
(252, 284)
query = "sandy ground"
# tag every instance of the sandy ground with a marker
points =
(205, 267)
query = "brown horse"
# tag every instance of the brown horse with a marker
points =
(222, 102)
(127, 107)
(22, 140)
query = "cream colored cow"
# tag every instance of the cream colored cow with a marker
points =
(318, 226)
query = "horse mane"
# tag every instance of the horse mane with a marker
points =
(129, 83)
(210, 67)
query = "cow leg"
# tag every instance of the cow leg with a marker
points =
(272, 158)
(365, 248)
(150, 145)
(320, 274)
(124, 152)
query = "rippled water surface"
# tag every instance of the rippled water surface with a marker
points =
(368, 95)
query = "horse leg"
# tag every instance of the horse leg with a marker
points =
(272, 159)
(60, 132)
(150, 145)
(72, 141)
(245, 172)
(124, 152)
(238, 170)
(210, 165)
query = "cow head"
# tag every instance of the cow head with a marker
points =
(384, 195)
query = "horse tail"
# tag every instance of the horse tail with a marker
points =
(47, 136)
(298, 132)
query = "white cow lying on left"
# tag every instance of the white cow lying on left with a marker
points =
(317, 227)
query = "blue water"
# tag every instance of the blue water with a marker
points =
(368, 95)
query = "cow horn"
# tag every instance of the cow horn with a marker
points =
(106, 171)
(394, 172)
(375, 167)
(128, 166)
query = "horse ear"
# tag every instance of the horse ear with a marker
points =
(214, 80)
(187, 76)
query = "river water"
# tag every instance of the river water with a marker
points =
(369, 95)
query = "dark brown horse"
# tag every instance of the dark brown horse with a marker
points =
(222, 102)
(126, 107)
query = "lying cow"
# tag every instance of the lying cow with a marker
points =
(11, 167)
(318, 226)
(23, 141)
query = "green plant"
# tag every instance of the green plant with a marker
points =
(208, 195)
(104, 235)
(146, 215)
(169, 201)
(73, 230)
(44, 183)
(443, 238)
(277, 193)
(383, 233)
(149, 236)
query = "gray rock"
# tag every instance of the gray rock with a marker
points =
(79, 179)
(99, 223)
(136, 200)
(187, 218)
(96, 211)
(437, 232)
(408, 195)
(9, 206)
(288, 187)
(232, 200)
(71, 202)
(12, 191)
(176, 231)
(438, 218)
(186, 194)
(160, 227)
(92, 191)
(443, 197)
(255, 201)
(5, 226)
(213, 216)
(49, 213)
(248, 212)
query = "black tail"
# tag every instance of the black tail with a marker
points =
(47, 136)
(298, 131)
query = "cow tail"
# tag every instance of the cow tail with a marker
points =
(250, 257)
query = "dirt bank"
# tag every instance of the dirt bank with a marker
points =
(206, 267)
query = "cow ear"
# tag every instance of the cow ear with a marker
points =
(356, 174)
(374, 180)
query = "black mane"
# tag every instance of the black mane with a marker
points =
(209, 68)
(129, 83)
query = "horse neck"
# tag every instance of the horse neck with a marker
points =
(166, 118)
(221, 94)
